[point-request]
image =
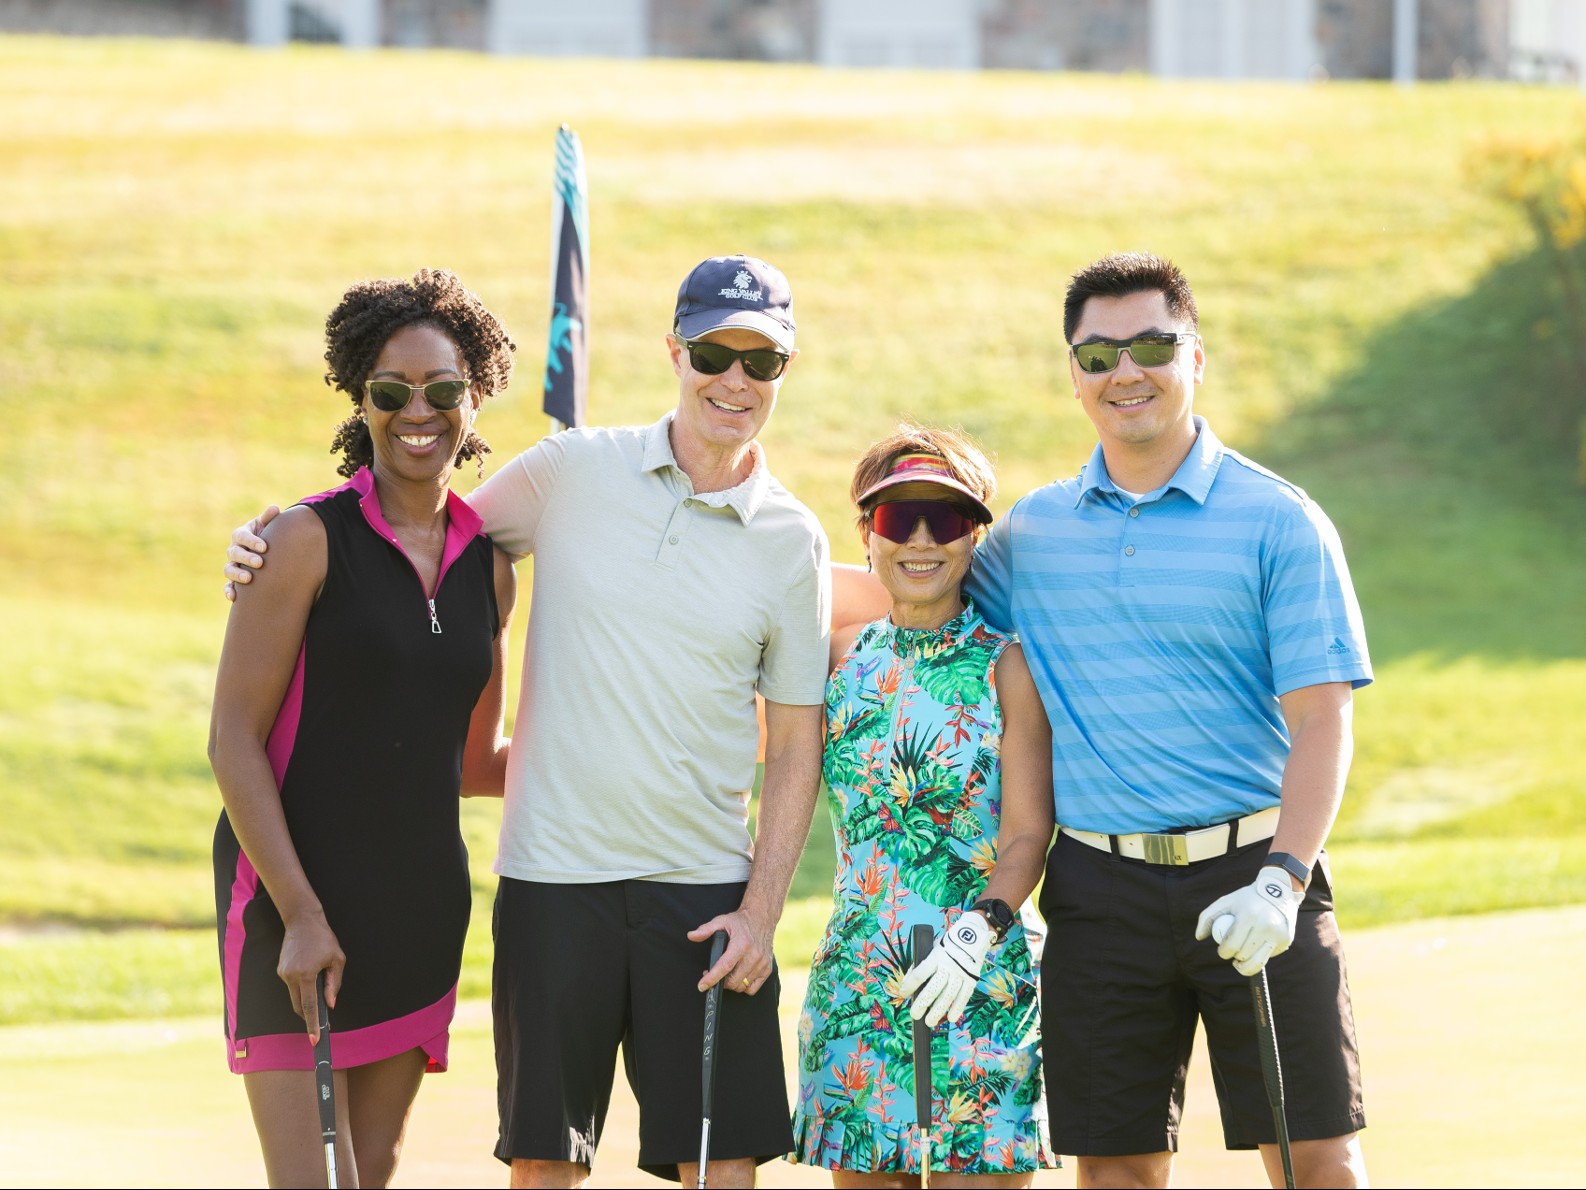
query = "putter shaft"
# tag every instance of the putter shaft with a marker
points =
(921, 941)
(325, 1085)
(1271, 1068)
(708, 1058)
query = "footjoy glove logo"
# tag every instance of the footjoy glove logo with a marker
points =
(967, 934)
(741, 290)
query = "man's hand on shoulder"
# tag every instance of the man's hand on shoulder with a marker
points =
(245, 553)
(1253, 923)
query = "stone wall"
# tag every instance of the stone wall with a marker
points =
(1460, 38)
(1354, 38)
(212, 19)
(454, 24)
(1109, 35)
(753, 30)
(1454, 38)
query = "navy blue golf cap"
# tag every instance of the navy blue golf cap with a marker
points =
(735, 291)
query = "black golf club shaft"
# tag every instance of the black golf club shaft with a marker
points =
(1271, 1068)
(922, 939)
(708, 1057)
(324, 1084)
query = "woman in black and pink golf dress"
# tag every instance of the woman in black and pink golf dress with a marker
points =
(360, 690)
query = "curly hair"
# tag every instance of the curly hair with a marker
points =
(372, 311)
(962, 454)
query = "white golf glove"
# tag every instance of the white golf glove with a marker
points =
(950, 972)
(1253, 923)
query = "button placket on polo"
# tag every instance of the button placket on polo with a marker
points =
(676, 532)
(1128, 554)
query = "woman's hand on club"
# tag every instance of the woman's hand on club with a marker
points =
(941, 983)
(309, 947)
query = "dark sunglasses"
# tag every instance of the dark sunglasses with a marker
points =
(759, 363)
(895, 520)
(1148, 351)
(392, 396)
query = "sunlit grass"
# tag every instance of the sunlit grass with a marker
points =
(176, 219)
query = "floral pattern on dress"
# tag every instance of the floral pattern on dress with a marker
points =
(913, 777)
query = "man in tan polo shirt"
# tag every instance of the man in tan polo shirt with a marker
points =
(674, 579)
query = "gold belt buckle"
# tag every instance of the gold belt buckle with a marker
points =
(1166, 849)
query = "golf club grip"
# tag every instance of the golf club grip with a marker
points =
(922, 940)
(1271, 1068)
(718, 945)
(325, 1085)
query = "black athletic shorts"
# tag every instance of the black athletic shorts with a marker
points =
(583, 968)
(1123, 982)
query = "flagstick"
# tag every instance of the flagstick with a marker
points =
(567, 351)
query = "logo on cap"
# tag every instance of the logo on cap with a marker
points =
(741, 291)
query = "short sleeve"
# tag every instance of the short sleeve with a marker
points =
(512, 501)
(1315, 631)
(990, 582)
(793, 662)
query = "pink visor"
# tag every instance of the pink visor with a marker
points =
(921, 476)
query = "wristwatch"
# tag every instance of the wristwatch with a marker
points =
(997, 914)
(1290, 864)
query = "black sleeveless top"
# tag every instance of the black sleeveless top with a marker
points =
(367, 749)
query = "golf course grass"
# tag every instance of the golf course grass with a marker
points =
(176, 219)
(1469, 1065)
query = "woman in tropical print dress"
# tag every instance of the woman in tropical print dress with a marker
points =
(938, 768)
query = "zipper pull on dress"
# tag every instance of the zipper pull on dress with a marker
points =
(435, 621)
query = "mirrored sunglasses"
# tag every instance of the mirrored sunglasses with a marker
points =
(1148, 351)
(895, 520)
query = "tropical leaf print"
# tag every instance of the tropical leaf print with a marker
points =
(913, 736)
(955, 677)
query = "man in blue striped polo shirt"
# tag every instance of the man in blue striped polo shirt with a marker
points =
(1195, 638)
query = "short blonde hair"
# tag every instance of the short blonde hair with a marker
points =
(958, 450)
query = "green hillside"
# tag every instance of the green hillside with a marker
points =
(176, 220)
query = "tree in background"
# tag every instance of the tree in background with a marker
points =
(1546, 180)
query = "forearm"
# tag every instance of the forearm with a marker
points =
(787, 803)
(1020, 862)
(484, 773)
(1313, 784)
(253, 807)
(1024, 827)
(485, 768)
(485, 752)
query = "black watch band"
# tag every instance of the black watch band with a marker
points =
(997, 913)
(1290, 864)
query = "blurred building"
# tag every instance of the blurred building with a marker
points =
(1531, 40)
(209, 19)
(1548, 41)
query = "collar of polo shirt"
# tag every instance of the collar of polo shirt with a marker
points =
(1194, 475)
(745, 498)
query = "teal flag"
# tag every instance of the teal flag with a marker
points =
(567, 355)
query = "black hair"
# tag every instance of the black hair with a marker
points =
(1125, 273)
(372, 311)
